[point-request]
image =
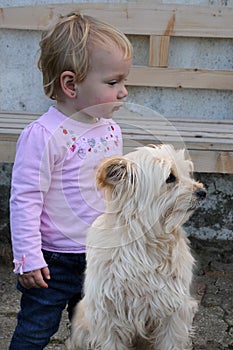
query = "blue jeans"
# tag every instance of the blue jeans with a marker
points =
(41, 308)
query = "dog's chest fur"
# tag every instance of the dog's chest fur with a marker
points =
(150, 278)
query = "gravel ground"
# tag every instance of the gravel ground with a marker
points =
(213, 284)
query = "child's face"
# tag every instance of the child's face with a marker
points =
(104, 83)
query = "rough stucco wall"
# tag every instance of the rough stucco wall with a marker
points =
(21, 89)
(215, 218)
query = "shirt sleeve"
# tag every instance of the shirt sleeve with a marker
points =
(27, 195)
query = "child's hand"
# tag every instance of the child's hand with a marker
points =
(35, 279)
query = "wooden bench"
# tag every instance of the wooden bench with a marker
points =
(210, 142)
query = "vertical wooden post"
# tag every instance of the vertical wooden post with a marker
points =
(159, 50)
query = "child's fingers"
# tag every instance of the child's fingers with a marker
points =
(46, 273)
(33, 279)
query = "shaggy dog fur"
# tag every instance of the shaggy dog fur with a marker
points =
(139, 265)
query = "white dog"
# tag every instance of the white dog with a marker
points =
(139, 265)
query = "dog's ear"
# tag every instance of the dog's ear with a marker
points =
(112, 171)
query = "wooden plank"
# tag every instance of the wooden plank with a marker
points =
(159, 128)
(192, 126)
(204, 161)
(209, 141)
(125, 114)
(7, 151)
(136, 124)
(181, 78)
(199, 137)
(19, 114)
(138, 118)
(212, 162)
(12, 125)
(180, 142)
(135, 129)
(224, 130)
(152, 115)
(146, 115)
(198, 131)
(159, 50)
(224, 124)
(205, 142)
(133, 18)
(136, 112)
(9, 136)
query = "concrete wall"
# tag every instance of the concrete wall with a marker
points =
(21, 89)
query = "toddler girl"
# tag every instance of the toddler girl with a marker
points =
(54, 199)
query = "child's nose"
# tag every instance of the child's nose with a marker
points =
(123, 92)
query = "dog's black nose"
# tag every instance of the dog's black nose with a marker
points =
(201, 193)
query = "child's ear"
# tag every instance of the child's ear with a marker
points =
(112, 171)
(67, 82)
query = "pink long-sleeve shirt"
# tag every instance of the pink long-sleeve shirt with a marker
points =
(54, 198)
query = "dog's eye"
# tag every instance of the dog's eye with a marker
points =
(171, 178)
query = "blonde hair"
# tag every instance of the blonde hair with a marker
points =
(67, 46)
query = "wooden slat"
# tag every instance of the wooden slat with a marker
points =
(136, 116)
(195, 130)
(212, 162)
(9, 124)
(202, 122)
(159, 136)
(208, 125)
(206, 142)
(211, 153)
(181, 142)
(133, 18)
(181, 78)
(199, 136)
(159, 50)
(19, 114)
(219, 134)
(7, 151)
(204, 161)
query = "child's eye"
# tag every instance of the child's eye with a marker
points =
(112, 83)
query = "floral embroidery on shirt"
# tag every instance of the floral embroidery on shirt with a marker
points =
(83, 145)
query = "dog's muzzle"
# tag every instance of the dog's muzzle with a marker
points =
(198, 197)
